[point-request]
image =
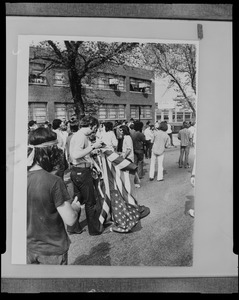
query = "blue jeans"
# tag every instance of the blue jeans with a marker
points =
(84, 183)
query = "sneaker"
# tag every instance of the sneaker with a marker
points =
(160, 179)
(137, 185)
(191, 212)
(151, 179)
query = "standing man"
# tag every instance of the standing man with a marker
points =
(138, 143)
(170, 133)
(80, 152)
(185, 137)
(148, 132)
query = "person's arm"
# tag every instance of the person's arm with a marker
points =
(78, 150)
(114, 140)
(128, 145)
(69, 212)
(61, 199)
(179, 135)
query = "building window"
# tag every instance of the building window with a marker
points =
(165, 115)
(142, 112)
(179, 116)
(111, 112)
(109, 82)
(187, 116)
(37, 74)
(64, 111)
(140, 85)
(37, 112)
(60, 79)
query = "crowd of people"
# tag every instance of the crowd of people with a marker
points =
(83, 147)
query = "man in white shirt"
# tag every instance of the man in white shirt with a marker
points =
(80, 152)
(148, 132)
(170, 132)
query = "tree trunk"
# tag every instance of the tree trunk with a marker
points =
(75, 85)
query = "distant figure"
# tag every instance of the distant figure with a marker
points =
(148, 132)
(161, 141)
(170, 133)
(128, 151)
(185, 137)
(108, 137)
(138, 142)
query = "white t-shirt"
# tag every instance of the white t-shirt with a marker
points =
(169, 128)
(128, 144)
(109, 139)
(148, 134)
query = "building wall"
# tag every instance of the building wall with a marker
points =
(50, 94)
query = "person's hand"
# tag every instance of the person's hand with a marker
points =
(97, 144)
(76, 204)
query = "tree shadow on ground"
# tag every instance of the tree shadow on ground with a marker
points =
(189, 204)
(99, 255)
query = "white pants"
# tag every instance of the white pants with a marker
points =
(159, 158)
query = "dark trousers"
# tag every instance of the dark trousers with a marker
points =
(84, 183)
(139, 161)
(184, 151)
(148, 148)
(171, 138)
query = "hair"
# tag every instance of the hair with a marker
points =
(185, 124)
(31, 123)
(163, 126)
(108, 126)
(46, 157)
(138, 126)
(88, 121)
(56, 123)
(74, 126)
(131, 126)
(148, 122)
(151, 127)
(125, 129)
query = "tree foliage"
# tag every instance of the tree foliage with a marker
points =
(82, 59)
(175, 61)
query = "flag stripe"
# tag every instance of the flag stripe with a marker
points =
(119, 189)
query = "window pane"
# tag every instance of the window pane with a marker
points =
(60, 78)
(36, 74)
(140, 85)
(39, 112)
(121, 112)
(102, 112)
(60, 111)
(112, 113)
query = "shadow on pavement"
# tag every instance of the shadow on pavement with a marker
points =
(99, 255)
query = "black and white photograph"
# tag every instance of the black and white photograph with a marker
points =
(111, 152)
(118, 163)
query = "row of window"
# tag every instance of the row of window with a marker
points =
(104, 81)
(176, 116)
(38, 112)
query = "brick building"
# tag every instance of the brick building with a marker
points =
(127, 93)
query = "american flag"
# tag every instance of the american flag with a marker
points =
(119, 198)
